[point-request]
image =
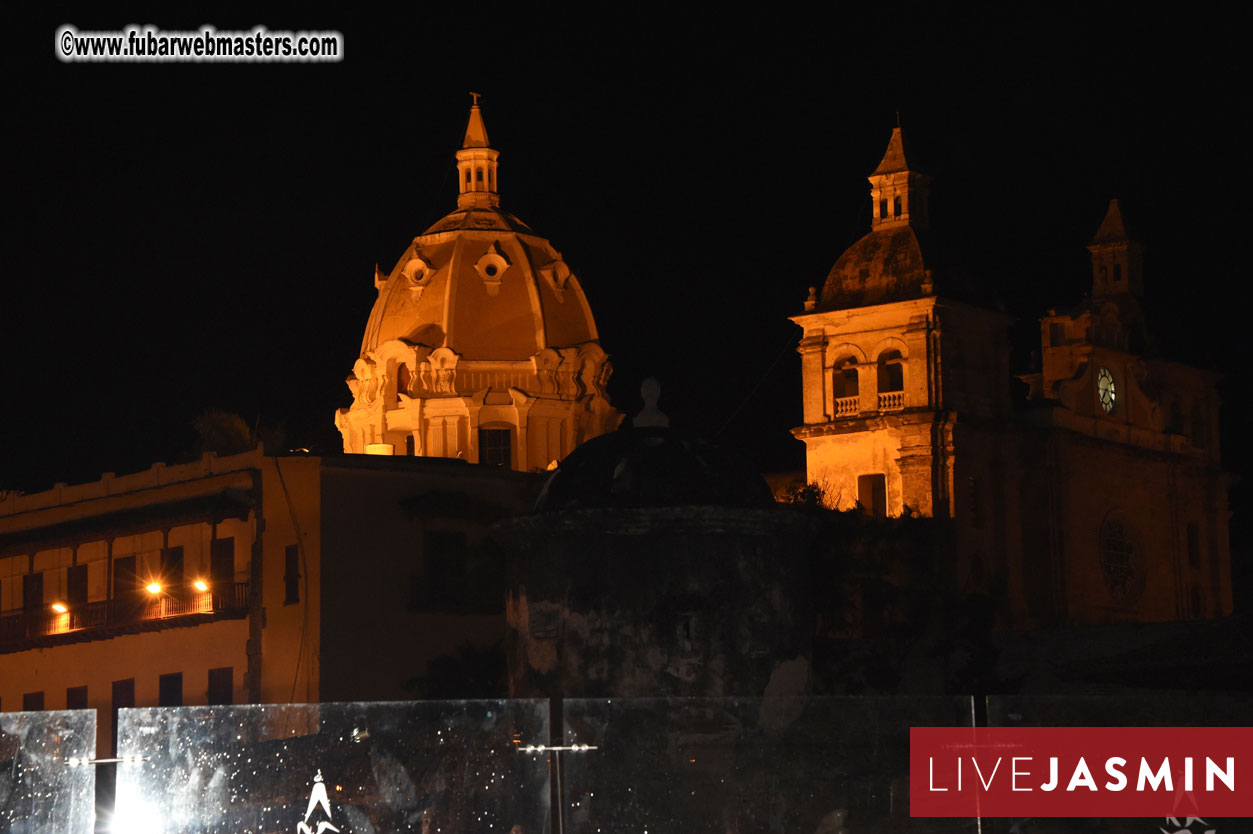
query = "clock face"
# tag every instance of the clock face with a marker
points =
(1105, 391)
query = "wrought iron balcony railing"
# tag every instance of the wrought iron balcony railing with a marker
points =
(21, 626)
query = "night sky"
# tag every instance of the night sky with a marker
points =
(186, 237)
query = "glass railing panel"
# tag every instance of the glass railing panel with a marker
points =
(1162, 710)
(747, 765)
(430, 767)
(46, 783)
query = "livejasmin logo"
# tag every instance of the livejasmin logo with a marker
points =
(318, 801)
(1081, 775)
(1081, 772)
(1187, 826)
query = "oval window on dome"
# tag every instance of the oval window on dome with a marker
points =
(417, 271)
(491, 267)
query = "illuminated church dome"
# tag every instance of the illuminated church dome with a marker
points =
(481, 344)
(887, 264)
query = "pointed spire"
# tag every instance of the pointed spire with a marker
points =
(476, 165)
(894, 157)
(1117, 258)
(476, 131)
(898, 194)
(1113, 227)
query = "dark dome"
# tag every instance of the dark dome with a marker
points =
(884, 266)
(654, 466)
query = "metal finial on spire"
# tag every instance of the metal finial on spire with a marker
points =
(898, 117)
(475, 96)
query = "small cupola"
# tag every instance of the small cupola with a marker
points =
(898, 195)
(476, 164)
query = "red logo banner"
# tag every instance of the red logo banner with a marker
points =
(1081, 771)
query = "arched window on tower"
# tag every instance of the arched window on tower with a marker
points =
(883, 209)
(467, 176)
(896, 206)
(480, 175)
(845, 387)
(891, 379)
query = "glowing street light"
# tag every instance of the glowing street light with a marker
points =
(59, 607)
(154, 588)
(200, 585)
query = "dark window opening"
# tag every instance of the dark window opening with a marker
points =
(76, 587)
(221, 686)
(1117, 273)
(480, 175)
(872, 494)
(411, 448)
(127, 600)
(1057, 334)
(222, 572)
(444, 562)
(172, 574)
(891, 372)
(291, 574)
(496, 447)
(123, 698)
(467, 175)
(896, 206)
(845, 381)
(1194, 545)
(76, 595)
(33, 702)
(883, 209)
(33, 592)
(76, 697)
(170, 690)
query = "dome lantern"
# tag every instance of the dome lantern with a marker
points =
(476, 164)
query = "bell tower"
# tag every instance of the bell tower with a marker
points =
(898, 378)
(1117, 260)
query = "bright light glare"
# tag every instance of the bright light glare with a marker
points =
(136, 818)
(200, 585)
(154, 588)
(59, 608)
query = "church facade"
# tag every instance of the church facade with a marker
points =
(1099, 499)
(481, 345)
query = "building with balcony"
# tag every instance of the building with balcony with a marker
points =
(1097, 499)
(248, 579)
